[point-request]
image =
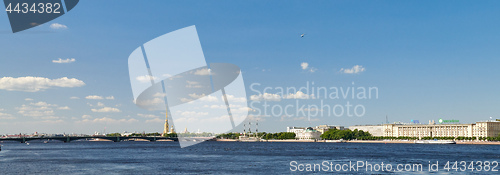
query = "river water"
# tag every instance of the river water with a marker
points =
(239, 158)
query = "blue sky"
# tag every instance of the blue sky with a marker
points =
(428, 59)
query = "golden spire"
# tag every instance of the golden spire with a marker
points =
(165, 128)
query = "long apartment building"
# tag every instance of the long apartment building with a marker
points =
(479, 129)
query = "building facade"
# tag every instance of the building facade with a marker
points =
(324, 128)
(486, 129)
(479, 129)
(303, 133)
(374, 130)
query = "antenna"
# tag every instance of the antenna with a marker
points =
(244, 130)
(249, 127)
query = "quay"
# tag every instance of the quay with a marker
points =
(67, 139)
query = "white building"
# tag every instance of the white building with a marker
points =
(374, 130)
(479, 129)
(324, 128)
(303, 133)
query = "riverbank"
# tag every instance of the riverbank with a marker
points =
(367, 141)
(412, 141)
(379, 141)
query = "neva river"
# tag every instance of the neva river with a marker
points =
(228, 157)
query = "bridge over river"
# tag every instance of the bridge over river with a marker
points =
(67, 139)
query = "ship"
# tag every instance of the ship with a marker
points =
(435, 142)
(336, 141)
(249, 139)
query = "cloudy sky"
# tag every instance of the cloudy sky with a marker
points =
(427, 59)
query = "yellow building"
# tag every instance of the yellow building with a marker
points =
(486, 129)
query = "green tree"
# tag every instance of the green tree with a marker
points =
(335, 134)
(114, 135)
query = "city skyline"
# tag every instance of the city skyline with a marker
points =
(426, 66)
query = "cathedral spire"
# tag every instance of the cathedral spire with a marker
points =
(165, 128)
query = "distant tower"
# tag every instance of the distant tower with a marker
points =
(165, 127)
(257, 129)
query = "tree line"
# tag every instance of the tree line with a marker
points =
(335, 134)
(347, 134)
(263, 135)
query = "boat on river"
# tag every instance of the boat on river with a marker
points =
(435, 142)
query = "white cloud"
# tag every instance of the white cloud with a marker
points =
(209, 98)
(108, 120)
(354, 70)
(192, 113)
(266, 96)
(4, 116)
(152, 102)
(196, 96)
(158, 94)
(28, 99)
(49, 118)
(148, 116)
(86, 116)
(290, 118)
(35, 84)
(193, 84)
(241, 109)
(94, 97)
(222, 106)
(204, 71)
(74, 98)
(110, 98)
(235, 99)
(42, 103)
(58, 26)
(304, 65)
(277, 97)
(100, 104)
(146, 78)
(202, 97)
(155, 120)
(312, 69)
(60, 61)
(106, 109)
(299, 95)
(186, 100)
(36, 109)
(53, 121)
(64, 108)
